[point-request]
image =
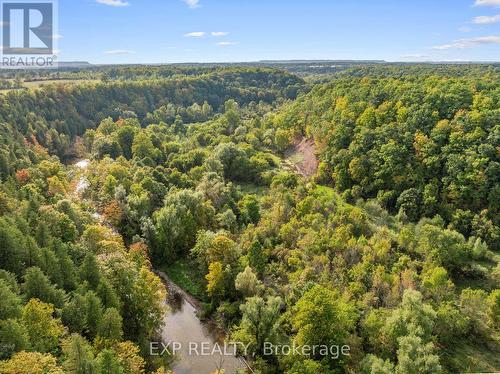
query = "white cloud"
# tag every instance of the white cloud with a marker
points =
(57, 36)
(469, 43)
(223, 44)
(487, 3)
(113, 2)
(219, 33)
(486, 20)
(119, 52)
(195, 34)
(192, 3)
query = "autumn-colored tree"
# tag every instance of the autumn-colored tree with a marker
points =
(22, 176)
(113, 213)
(31, 363)
(215, 280)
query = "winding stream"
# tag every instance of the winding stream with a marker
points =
(200, 345)
(200, 341)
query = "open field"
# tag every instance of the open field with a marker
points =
(41, 83)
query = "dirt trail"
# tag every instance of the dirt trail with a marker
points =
(301, 156)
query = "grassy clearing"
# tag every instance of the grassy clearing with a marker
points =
(36, 84)
(40, 83)
(185, 274)
(327, 191)
(330, 194)
(250, 188)
(5, 91)
(466, 358)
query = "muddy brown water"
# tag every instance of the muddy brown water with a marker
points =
(200, 347)
(201, 344)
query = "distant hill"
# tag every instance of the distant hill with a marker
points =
(74, 64)
(349, 62)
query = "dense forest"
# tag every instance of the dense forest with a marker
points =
(421, 145)
(55, 115)
(390, 248)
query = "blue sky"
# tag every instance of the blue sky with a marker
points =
(163, 31)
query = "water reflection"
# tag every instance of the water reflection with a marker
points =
(182, 325)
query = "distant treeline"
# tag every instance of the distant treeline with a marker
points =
(303, 68)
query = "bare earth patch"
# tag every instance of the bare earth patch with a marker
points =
(301, 156)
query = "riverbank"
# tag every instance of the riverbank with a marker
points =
(172, 287)
(185, 273)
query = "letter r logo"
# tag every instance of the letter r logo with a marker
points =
(27, 27)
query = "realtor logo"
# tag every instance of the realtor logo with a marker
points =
(28, 28)
(29, 34)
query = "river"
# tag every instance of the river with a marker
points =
(201, 344)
